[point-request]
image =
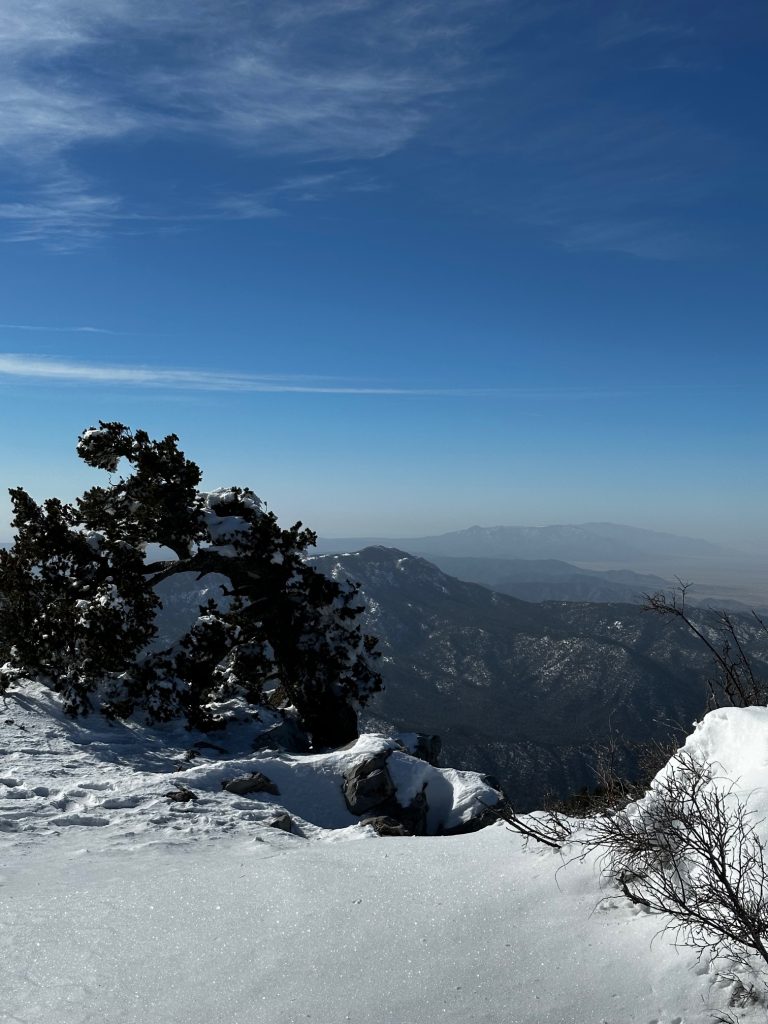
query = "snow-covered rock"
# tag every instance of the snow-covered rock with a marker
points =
(57, 771)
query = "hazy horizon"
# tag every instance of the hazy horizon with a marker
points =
(731, 545)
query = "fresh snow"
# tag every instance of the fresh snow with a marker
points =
(123, 907)
(736, 740)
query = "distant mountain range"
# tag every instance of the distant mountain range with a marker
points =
(614, 563)
(552, 580)
(588, 542)
(521, 691)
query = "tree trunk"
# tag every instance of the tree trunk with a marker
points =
(331, 724)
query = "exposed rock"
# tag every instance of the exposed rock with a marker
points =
(384, 825)
(369, 787)
(414, 816)
(368, 784)
(206, 745)
(181, 795)
(282, 821)
(256, 782)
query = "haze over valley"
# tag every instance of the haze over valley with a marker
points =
(586, 562)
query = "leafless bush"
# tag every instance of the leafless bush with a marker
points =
(734, 682)
(550, 828)
(614, 786)
(693, 852)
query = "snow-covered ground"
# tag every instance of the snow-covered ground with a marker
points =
(124, 907)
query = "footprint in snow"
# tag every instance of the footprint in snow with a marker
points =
(609, 905)
(8, 818)
(114, 803)
(18, 794)
(80, 819)
(22, 793)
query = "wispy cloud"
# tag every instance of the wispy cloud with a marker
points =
(648, 239)
(39, 368)
(16, 366)
(258, 77)
(58, 329)
(304, 188)
(351, 82)
(601, 153)
(63, 213)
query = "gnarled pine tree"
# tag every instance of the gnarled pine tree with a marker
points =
(78, 600)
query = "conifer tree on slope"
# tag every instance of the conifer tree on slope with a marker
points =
(78, 602)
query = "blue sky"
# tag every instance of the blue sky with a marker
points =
(401, 267)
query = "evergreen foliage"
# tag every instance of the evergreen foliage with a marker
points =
(79, 605)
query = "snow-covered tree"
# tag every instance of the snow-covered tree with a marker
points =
(78, 599)
(75, 607)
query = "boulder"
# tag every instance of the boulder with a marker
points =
(368, 787)
(282, 821)
(256, 782)
(180, 795)
(384, 825)
(368, 784)
(414, 816)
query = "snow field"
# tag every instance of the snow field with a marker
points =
(409, 931)
(118, 906)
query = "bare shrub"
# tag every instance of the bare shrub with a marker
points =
(692, 851)
(614, 786)
(549, 828)
(734, 681)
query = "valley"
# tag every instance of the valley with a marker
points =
(518, 690)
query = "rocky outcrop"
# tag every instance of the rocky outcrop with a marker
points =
(414, 816)
(384, 825)
(256, 782)
(283, 821)
(180, 794)
(368, 787)
(370, 792)
(368, 784)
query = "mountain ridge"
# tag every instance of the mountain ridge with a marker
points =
(518, 690)
(575, 542)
